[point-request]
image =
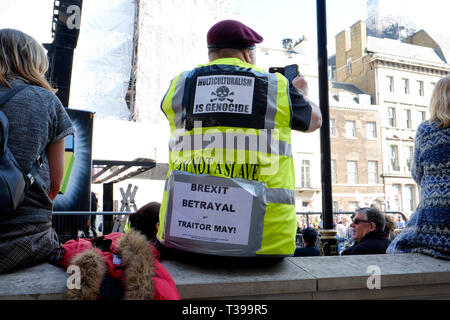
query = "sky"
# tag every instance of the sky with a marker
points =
(273, 19)
(279, 19)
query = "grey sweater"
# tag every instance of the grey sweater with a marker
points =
(36, 119)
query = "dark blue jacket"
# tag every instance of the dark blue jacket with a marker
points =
(308, 251)
(374, 242)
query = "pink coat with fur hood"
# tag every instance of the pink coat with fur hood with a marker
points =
(129, 257)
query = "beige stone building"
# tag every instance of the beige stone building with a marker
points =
(399, 77)
(356, 160)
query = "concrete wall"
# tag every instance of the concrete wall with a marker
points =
(400, 276)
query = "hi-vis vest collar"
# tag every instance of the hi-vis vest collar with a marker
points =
(230, 185)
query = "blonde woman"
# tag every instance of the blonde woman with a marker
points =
(428, 229)
(38, 124)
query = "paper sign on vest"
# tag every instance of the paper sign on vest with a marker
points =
(224, 93)
(211, 213)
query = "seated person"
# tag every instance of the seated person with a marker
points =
(146, 220)
(118, 266)
(390, 227)
(368, 233)
(309, 238)
(237, 205)
(38, 124)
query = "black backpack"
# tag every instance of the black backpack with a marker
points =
(13, 181)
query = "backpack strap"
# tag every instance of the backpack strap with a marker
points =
(4, 121)
(36, 165)
(11, 92)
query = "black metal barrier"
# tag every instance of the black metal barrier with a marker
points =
(81, 224)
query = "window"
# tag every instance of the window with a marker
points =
(420, 88)
(333, 171)
(409, 156)
(335, 206)
(394, 158)
(405, 86)
(332, 128)
(409, 198)
(396, 195)
(372, 170)
(390, 83)
(349, 67)
(391, 117)
(407, 118)
(352, 172)
(330, 73)
(422, 115)
(350, 129)
(305, 174)
(352, 206)
(371, 130)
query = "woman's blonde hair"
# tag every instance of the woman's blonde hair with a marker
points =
(22, 57)
(440, 103)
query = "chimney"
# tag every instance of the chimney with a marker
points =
(359, 39)
(342, 46)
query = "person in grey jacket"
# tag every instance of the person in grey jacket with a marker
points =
(38, 124)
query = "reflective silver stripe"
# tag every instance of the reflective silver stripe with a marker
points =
(280, 196)
(271, 110)
(177, 100)
(265, 142)
(165, 184)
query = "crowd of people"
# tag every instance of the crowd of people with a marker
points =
(345, 226)
(342, 222)
(126, 265)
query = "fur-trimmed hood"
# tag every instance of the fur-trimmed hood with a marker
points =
(137, 265)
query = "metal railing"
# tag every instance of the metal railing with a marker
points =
(75, 224)
(83, 224)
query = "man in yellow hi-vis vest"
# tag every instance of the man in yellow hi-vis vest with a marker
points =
(230, 189)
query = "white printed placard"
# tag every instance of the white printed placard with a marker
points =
(224, 93)
(211, 213)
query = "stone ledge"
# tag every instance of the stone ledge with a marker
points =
(403, 276)
(42, 282)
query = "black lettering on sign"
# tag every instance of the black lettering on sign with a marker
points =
(208, 188)
(194, 225)
(224, 229)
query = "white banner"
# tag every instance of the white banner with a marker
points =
(224, 93)
(211, 213)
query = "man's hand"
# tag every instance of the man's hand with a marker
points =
(300, 83)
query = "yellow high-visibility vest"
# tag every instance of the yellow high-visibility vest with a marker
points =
(230, 188)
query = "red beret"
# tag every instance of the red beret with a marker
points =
(232, 34)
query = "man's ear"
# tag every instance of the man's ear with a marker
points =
(247, 55)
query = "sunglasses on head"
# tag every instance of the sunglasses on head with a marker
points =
(357, 220)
